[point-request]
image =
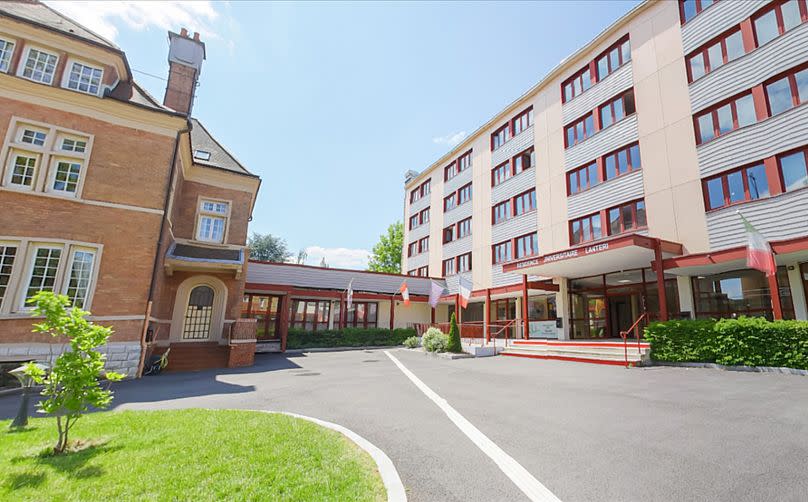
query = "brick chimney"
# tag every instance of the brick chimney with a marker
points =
(185, 56)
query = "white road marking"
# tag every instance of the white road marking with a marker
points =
(525, 481)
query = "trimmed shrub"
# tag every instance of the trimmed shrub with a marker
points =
(454, 345)
(746, 341)
(412, 342)
(348, 337)
(434, 340)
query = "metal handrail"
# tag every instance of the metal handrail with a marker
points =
(624, 335)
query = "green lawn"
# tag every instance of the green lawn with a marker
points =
(187, 455)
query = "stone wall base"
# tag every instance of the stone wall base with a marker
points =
(122, 357)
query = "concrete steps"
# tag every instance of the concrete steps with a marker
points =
(610, 353)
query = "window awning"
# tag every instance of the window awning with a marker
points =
(624, 252)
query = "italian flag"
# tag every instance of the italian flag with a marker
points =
(759, 254)
(405, 293)
(464, 288)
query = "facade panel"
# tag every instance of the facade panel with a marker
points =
(716, 19)
(620, 134)
(610, 193)
(617, 82)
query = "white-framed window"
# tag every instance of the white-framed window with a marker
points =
(66, 176)
(6, 50)
(79, 276)
(84, 78)
(33, 136)
(22, 170)
(8, 254)
(40, 66)
(212, 220)
(43, 270)
(73, 145)
(201, 155)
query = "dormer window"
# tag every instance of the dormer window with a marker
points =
(201, 155)
(40, 66)
(6, 49)
(84, 78)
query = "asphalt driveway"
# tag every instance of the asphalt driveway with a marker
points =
(586, 432)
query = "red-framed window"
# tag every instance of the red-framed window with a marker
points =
(524, 202)
(777, 18)
(423, 244)
(449, 267)
(613, 58)
(414, 221)
(423, 271)
(585, 229)
(502, 252)
(419, 218)
(412, 272)
(501, 212)
(450, 171)
(617, 109)
(464, 162)
(448, 234)
(688, 9)
(421, 191)
(724, 117)
(464, 228)
(464, 194)
(735, 187)
(793, 168)
(576, 85)
(424, 214)
(622, 161)
(583, 178)
(464, 263)
(522, 121)
(500, 136)
(787, 91)
(716, 53)
(579, 130)
(526, 245)
(412, 248)
(450, 202)
(310, 315)
(524, 160)
(626, 217)
(362, 315)
(501, 173)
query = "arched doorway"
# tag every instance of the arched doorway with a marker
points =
(198, 313)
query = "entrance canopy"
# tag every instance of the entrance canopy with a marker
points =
(785, 252)
(620, 253)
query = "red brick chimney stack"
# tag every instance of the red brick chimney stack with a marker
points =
(185, 56)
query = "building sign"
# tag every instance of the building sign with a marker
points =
(543, 329)
(564, 255)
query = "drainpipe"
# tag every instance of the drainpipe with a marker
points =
(155, 268)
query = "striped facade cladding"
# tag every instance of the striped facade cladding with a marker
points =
(779, 55)
(716, 19)
(500, 278)
(418, 232)
(461, 212)
(419, 204)
(518, 143)
(608, 194)
(417, 261)
(458, 181)
(514, 185)
(620, 134)
(609, 87)
(782, 217)
(300, 276)
(457, 247)
(755, 142)
(515, 227)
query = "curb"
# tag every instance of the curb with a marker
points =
(745, 369)
(340, 349)
(390, 478)
(441, 355)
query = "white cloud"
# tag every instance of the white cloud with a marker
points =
(452, 139)
(101, 16)
(338, 257)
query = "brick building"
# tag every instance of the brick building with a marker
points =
(127, 205)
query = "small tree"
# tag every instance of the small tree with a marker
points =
(72, 385)
(454, 337)
(267, 247)
(386, 256)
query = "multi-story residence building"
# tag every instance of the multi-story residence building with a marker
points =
(612, 187)
(126, 205)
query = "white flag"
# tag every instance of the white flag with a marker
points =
(350, 295)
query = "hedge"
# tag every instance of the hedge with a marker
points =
(348, 337)
(746, 341)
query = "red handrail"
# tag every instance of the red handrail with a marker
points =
(624, 335)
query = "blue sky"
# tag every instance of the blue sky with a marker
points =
(331, 103)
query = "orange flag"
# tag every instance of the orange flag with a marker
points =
(405, 293)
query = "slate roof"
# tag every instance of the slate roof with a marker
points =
(220, 158)
(337, 279)
(39, 13)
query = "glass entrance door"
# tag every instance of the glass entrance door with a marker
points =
(263, 308)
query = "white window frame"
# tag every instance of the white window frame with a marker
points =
(50, 187)
(69, 69)
(21, 129)
(69, 271)
(24, 61)
(6, 53)
(9, 293)
(12, 160)
(202, 213)
(33, 248)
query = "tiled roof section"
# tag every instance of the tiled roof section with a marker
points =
(220, 158)
(301, 276)
(200, 253)
(39, 13)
